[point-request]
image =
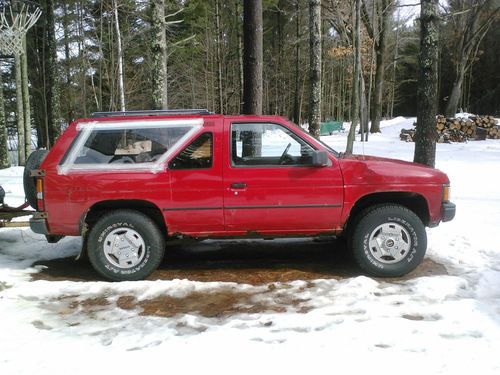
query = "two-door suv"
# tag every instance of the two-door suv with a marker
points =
(129, 181)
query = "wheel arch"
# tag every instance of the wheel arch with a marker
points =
(143, 206)
(99, 208)
(413, 201)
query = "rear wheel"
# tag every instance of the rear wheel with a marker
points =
(125, 245)
(389, 241)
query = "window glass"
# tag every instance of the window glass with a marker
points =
(198, 154)
(268, 144)
(128, 146)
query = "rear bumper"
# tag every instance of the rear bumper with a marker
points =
(449, 210)
(38, 223)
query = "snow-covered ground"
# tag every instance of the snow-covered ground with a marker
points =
(443, 324)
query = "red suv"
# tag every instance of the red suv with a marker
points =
(128, 181)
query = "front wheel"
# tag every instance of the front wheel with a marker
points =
(389, 241)
(125, 245)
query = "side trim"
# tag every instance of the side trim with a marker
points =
(191, 208)
(253, 207)
(291, 206)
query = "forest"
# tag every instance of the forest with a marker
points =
(319, 58)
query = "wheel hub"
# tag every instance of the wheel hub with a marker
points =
(124, 247)
(389, 243)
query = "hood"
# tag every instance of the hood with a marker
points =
(359, 169)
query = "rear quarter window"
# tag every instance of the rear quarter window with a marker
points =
(127, 145)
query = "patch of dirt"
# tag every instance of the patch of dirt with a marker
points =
(210, 305)
(250, 262)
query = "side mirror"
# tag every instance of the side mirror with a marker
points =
(319, 158)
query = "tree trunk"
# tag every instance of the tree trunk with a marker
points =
(121, 87)
(425, 142)
(20, 113)
(159, 54)
(218, 57)
(456, 92)
(240, 54)
(296, 95)
(26, 102)
(380, 52)
(355, 84)
(252, 57)
(4, 149)
(315, 67)
(363, 109)
(50, 89)
(68, 112)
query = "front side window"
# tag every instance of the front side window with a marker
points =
(197, 155)
(261, 144)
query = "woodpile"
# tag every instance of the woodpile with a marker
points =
(460, 129)
(407, 135)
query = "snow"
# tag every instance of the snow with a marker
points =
(438, 324)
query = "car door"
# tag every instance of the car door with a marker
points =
(196, 186)
(270, 184)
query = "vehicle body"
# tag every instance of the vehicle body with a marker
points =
(202, 175)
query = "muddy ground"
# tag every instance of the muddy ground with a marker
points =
(245, 262)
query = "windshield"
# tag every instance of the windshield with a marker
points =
(309, 136)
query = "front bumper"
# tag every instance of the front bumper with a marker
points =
(38, 223)
(449, 209)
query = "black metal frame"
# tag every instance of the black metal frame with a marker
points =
(158, 112)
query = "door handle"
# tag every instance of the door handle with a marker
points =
(238, 185)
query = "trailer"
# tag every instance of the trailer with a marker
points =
(7, 213)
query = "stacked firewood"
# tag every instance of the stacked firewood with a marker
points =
(489, 123)
(460, 129)
(407, 135)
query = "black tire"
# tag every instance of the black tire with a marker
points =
(29, 183)
(407, 239)
(131, 223)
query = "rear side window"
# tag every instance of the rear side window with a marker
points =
(197, 155)
(127, 145)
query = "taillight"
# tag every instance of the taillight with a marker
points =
(39, 193)
(39, 188)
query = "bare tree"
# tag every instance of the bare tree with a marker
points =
(4, 150)
(218, 58)
(377, 27)
(252, 57)
(470, 23)
(159, 54)
(119, 51)
(425, 143)
(296, 94)
(356, 36)
(315, 67)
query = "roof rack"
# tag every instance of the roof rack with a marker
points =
(158, 112)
